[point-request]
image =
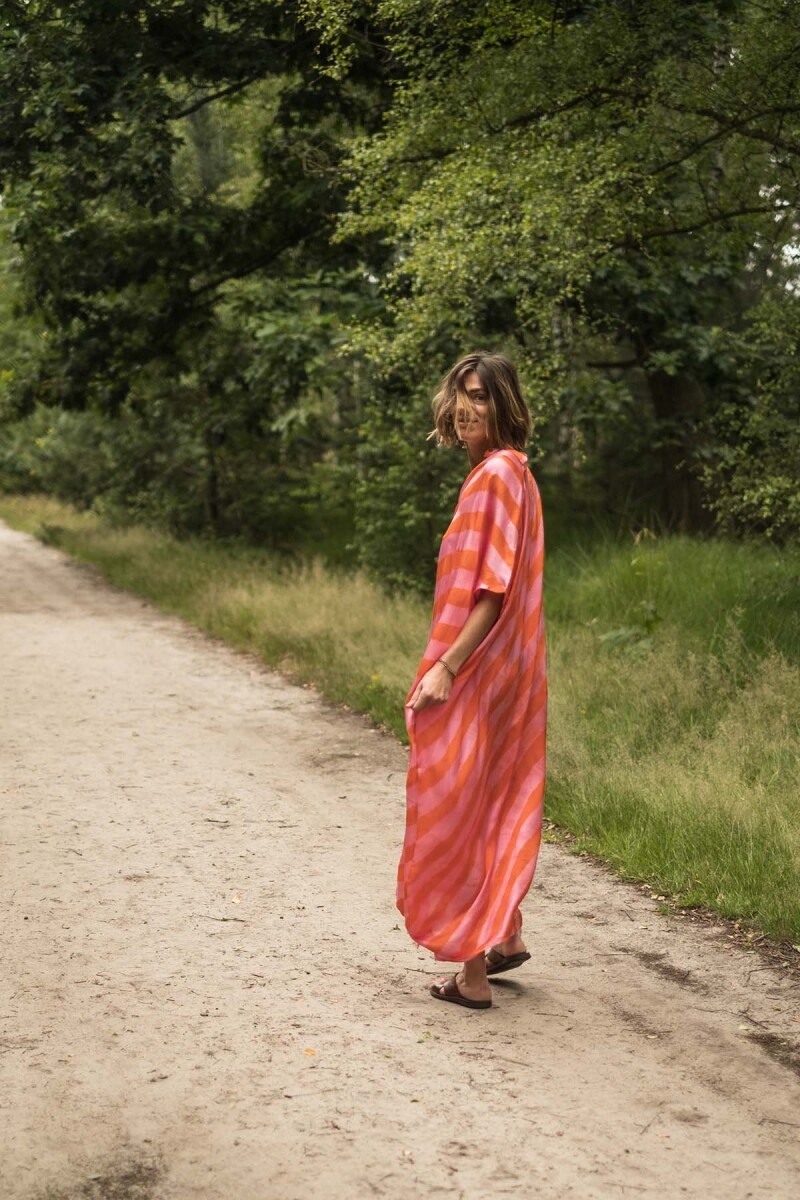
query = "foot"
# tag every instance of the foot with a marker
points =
(470, 991)
(512, 945)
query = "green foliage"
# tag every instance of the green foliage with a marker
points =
(173, 195)
(606, 189)
(65, 454)
(248, 238)
(117, 260)
(21, 335)
(752, 473)
(406, 488)
(230, 445)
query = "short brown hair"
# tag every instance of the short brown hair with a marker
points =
(508, 420)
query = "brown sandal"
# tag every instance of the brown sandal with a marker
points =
(501, 962)
(449, 991)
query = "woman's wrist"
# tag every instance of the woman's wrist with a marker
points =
(447, 667)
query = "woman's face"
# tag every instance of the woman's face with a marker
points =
(471, 423)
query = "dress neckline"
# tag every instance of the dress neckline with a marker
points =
(520, 457)
(519, 454)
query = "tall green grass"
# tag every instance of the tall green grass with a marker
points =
(674, 734)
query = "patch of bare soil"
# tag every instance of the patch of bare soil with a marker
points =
(207, 993)
(132, 1178)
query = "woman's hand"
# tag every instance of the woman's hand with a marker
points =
(433, 688)
(435, 685)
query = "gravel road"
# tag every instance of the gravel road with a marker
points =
(207, 992)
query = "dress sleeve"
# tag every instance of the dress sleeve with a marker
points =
(492, 512)
(479, 551)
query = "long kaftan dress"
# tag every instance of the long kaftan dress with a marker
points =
(475, 783)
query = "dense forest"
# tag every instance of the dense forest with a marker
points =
(241, 242)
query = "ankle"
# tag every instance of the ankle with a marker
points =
(475, 971)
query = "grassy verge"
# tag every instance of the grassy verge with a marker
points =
(674, 747)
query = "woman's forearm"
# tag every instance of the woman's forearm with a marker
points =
(434, 686)
(474, 630)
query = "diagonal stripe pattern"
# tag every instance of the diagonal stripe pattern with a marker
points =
(475, 783)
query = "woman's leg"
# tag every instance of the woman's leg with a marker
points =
(513, 944)
(472, 980)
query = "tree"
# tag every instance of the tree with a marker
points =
(255, 233)
(605, 188)
(171, 173)
(118, 258)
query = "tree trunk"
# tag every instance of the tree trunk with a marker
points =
(680, 407)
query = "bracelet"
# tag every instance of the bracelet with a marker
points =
(447, 667)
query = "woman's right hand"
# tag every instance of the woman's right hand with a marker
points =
(433, 688)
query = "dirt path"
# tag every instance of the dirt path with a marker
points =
(206, 991)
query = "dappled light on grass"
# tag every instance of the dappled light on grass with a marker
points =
(674, 750)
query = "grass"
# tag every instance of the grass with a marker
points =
(674, 734)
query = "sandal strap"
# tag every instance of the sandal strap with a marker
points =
(448, 987)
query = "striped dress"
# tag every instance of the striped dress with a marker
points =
(475, 783)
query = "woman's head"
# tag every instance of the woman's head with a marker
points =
(481, 390)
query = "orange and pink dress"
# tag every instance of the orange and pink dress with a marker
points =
(475, 783)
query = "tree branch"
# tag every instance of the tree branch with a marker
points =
(715, 219)
(690, 153)
(623, 365)
(742, 125)
(595, 93)
(227, 91)
(240, 274)
(529, 118)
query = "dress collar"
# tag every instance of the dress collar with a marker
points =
(522, 457)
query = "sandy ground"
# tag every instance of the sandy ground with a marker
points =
(207, 991)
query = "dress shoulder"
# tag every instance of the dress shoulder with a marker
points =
(501, 469)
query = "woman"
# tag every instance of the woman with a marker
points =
(476, 712)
